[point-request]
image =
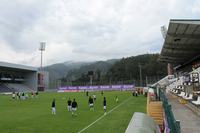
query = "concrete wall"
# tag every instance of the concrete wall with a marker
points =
(31, 80)
(46, 79)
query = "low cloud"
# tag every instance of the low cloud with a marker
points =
(85, 30)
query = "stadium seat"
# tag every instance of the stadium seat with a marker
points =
(186, 95)
(175, 91)
(197, 102)
(181, 94)
(19, 87)
(4, 88)
(188, 98)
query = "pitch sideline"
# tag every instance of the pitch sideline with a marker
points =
(103, 116)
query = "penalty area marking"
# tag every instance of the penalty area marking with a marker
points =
(103, 116)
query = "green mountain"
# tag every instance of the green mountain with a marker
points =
(128, 69)
(59, 70)
(71, 70)
(96, 67)
(115, 71)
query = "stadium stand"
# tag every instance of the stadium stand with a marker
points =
(164, 81)
(17, 78)
(19, 87)
(181, 52)
(4, 88)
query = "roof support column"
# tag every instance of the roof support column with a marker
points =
(169, 69)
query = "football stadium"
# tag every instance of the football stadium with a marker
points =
(170, 105)
(26, 111)
(102, 67)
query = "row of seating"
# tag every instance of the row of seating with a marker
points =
(187, 96)
(19, 87)
(13, 87)
(4, 88)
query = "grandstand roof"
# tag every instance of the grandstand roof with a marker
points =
(17, 66)
(182, 42)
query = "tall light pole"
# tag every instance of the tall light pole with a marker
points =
(91, 74)
(42, 48)
(146, 80)
(140, 67)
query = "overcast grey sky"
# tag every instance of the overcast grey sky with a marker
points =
(85, 30)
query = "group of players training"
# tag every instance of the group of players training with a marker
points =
(73, 105)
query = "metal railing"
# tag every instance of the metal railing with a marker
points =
(173, 124)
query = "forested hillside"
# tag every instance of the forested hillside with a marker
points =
(129, 69)
(123, 71)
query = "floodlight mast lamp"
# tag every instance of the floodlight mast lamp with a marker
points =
(164, 31)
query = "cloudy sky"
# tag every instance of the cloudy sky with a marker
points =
(85, 30)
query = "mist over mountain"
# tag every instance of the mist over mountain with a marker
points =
(102, 66)
(115, 71)
(74, 69)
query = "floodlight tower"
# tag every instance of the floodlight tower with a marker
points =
(91, 74)
(42, 48)
(41, 74)
(169, 65)
(164, 31)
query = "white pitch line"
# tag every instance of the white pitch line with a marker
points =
(103, 116)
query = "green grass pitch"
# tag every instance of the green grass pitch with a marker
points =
(34, 115)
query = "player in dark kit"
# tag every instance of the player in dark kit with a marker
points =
(36, 94)
(74, 107)
(69, 104)
(104, 105)
(53, 107)
(87, 93)
(91, 103)
(102, 93)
